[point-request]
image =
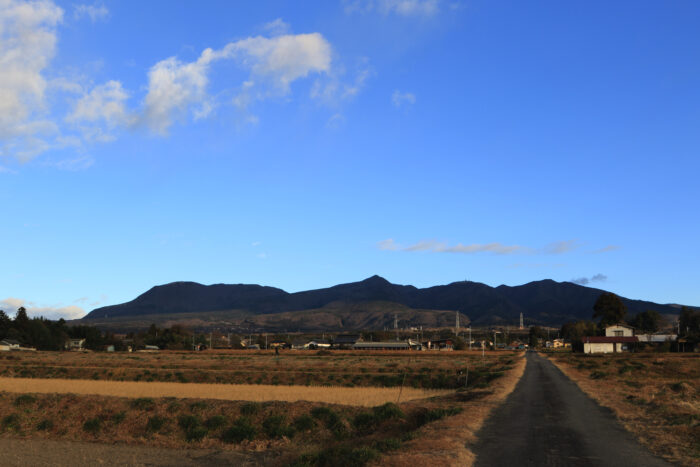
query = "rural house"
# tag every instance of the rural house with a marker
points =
(618, 338)
(346, 341)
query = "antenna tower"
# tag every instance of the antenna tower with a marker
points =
(521, 321)
(456, 323)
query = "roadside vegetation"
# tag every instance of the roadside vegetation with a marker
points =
(656, 396)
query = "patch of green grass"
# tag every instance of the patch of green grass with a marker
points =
(387, 411)
(421, 417)
(196, 433)
(187, 422)
(118, 417)
(198, 405)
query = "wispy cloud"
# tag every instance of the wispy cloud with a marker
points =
(586, 280)
(399, 99)
(442, 247)
(556, 248)
(397, 7)
(11, 304)
(606, 249)
(94, 12)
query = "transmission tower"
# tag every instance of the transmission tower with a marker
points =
(522, 326)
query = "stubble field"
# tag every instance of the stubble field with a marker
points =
(307, 408)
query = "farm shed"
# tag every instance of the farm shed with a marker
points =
(379, 345)
(607, 344)
(9, 344)
(346, 341)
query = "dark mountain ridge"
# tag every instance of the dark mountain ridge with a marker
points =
(541, 302)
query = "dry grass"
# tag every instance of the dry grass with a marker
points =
(448, 442)
(433, 424)
(363, 396)
(428, 370)
(655, 396)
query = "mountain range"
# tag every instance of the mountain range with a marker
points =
(369, 304)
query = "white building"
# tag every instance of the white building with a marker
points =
(618, 338)
(619, 330)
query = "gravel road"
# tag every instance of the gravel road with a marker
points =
(548, 421)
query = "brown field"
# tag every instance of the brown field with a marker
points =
(655, 396)
(360, 396)
(304, 425)
(428, 370)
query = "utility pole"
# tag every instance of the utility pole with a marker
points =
(457, 323)
(210, 344)
(470, 337)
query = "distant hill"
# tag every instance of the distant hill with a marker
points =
(370, 303)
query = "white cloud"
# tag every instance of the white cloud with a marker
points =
(276, 27)
(400, 99)
(11, 304)
(274, 63)
(103, 107)
(398, 7)
(27, 45)
(74, 164)
(95, 12)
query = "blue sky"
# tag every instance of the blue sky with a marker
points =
(305, 145)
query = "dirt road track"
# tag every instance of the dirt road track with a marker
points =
(548, 421)
(42, 453)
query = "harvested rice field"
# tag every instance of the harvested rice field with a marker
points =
(360, 396)
(293, 409)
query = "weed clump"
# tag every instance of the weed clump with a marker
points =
(304, 423)
(250, 408)
(215, 422)
(155, 424)
(24, 399)
(143, 403)
(92, 425)
(275, 427)
(44, 425)
(242, 429)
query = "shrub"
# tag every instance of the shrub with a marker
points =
(143, 403)
(45, 425)
(198, 405)
(10, 421)
(241, 430)
(92, 425)
(196, 433)
(321, 413)
(217, 421)
(250, 408)
(24, 399)
(421, 417)
(346, 456)
(389, 444)
(304, 423)
(387, 411)
(188, 422)
(364, 420)
(118, 417)
(155, 423)
(275, 427)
